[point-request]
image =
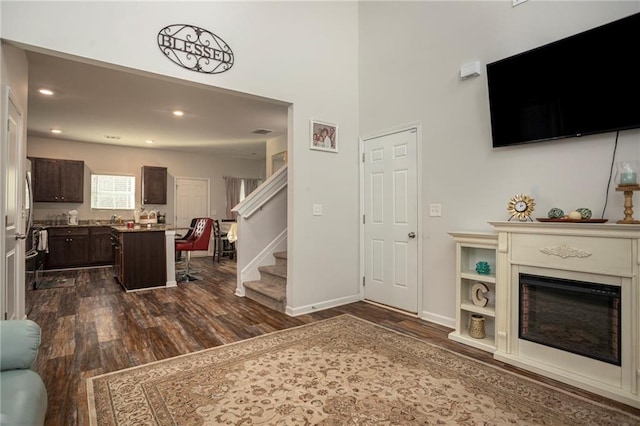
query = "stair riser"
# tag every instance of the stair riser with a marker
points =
(281, 262)
(265, 301)
(273, 279)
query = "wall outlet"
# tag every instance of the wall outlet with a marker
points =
(435, 210)
(317, 209)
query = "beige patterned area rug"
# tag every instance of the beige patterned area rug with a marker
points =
(341, 371)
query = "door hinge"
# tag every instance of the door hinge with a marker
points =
(363, 219)
(363, 282)
(363, 157)
(6, 315)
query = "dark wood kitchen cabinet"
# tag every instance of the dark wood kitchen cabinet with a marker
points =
(57, 181)
(101, 251)
(79, 246)
(68, 247)
(154, 185)
(140, 259)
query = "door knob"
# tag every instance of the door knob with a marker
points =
(412, 234)
(20, 236)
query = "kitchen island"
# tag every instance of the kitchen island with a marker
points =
(144, 256)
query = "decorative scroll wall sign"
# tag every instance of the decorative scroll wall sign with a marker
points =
(195, 49)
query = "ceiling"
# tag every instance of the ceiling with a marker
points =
(102, 105)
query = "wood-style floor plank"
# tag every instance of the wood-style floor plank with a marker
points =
(95, 327)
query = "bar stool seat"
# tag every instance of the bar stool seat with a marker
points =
(198, 240)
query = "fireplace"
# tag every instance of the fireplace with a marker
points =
(568, 304)
(583, 318)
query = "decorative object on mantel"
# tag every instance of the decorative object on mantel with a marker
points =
(483, 268)
(581, 214)
(555, 213)
(627, 173)
(585, 213)
(628, 203)
(521, 207)
(476, 328)
(627, 179)
(544, 219)
(477, 289)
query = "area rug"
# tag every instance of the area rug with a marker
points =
(340, 371)
(55, 282)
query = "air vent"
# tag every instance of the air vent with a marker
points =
(262, 131)
(112, 137)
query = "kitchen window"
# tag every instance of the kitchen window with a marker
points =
(113, 192)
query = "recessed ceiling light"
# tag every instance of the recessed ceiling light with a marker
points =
(149, 141)
(46, 92)
(178, 113)
(56, 131)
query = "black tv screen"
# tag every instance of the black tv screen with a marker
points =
(584, 84)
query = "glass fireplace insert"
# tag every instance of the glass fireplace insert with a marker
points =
(575, 316)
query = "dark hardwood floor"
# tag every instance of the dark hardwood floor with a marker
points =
(95, 327)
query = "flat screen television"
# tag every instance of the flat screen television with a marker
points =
(584, 84)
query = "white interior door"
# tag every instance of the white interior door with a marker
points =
(12, 302)
(192, 200)
(391, 219)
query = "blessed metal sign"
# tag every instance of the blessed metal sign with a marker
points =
(195, 49)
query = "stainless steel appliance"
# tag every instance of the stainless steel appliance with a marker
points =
(33, 257)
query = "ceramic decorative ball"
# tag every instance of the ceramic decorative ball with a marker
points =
(575, 215)
(584, 212)
(555, 213)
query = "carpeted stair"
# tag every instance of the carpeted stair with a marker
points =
(271, 289)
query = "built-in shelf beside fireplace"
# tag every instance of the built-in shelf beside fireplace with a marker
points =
(593, 270)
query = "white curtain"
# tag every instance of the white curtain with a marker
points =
(233, 186)
(235, 192)
(250, 185)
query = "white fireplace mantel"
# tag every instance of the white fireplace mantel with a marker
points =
(593, 252)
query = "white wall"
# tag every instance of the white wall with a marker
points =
(473, 182)
(107, 159)
(304, 53)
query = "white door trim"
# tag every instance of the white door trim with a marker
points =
(8, 96)
(396, 129)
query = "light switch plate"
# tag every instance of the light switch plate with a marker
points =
(435, 210)
(317, 209)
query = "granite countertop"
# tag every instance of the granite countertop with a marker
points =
(99, 223)
(144, 228)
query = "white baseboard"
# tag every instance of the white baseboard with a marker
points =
(322, 305)
(438, 319)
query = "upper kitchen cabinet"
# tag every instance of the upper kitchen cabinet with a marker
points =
(154, 185)
(58, 181)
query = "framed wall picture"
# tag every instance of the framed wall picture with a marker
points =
(324, 136)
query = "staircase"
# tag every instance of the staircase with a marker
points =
(271, 289)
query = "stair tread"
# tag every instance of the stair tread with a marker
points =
(280, 254)
(275, 292)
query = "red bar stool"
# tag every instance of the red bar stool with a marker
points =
(198, 240)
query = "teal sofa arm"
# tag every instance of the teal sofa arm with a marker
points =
(23, 395)
(19, 343)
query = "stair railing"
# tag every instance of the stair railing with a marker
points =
(262, 227)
